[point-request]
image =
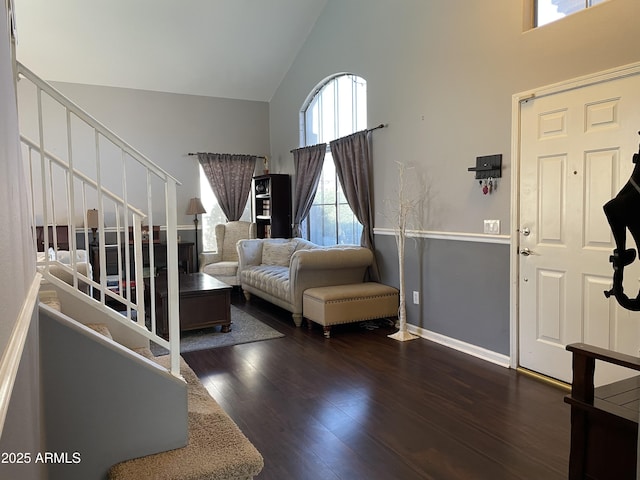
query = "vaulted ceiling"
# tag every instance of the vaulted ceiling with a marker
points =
(220, 48)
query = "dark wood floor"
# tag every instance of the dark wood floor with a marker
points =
(362, 406)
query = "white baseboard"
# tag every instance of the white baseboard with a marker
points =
(479, 352)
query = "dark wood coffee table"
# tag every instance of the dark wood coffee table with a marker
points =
(204, 302)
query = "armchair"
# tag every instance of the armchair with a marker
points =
(223, 264)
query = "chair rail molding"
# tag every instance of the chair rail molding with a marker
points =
(455, 236)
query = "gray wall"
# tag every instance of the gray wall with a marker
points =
(164, 127)
(454, 301)
(22, 432)
(441, 74)
(102, 405)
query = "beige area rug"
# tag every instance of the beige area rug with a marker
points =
(244, 329)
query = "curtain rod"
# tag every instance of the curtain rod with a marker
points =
(382, 125)
(257, 156)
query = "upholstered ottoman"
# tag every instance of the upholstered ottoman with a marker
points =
(348, 303)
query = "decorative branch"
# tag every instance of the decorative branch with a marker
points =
(405, 216)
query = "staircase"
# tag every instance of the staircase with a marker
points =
(75, 164)
(107, 398)
(214, 448)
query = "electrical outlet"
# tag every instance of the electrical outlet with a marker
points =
(416, 297)
(492, 227)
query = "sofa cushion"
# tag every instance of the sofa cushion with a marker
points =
(278, 254)
(272, 279)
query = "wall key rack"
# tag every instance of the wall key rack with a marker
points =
(489, 166)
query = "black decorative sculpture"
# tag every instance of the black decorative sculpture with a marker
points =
(623, 212)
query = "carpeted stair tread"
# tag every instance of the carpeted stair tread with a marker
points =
(145, 352)
(50, 298)
(101, 328)
(217, 448)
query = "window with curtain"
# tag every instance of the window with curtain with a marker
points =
(547, 11)
(214, 214)
(338, 108)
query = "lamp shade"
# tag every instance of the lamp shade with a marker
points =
(195, 207)
(92, 218)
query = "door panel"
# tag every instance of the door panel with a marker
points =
(600, 167)
(551, 195)
(576, 151)
(551, 320)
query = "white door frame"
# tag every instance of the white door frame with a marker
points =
(517, 99)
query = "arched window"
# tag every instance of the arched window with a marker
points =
(336, 109)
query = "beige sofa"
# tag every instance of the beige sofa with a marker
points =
(280, 270)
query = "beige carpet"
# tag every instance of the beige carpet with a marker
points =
(217, 448)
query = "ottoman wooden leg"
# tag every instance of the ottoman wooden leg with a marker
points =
(327, 331)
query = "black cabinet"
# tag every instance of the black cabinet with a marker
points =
(271, 197)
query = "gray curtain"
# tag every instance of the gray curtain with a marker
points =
(230, 178)
(308, 164)
(352, 157)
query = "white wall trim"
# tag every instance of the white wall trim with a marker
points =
(572, 84)
(13, 352)
(455, 236)
(474, 350)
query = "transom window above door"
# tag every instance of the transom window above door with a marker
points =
(336, 108)
(547, 11)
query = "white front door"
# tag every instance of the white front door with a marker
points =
(576, 153)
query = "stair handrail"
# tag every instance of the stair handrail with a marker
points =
(71, 173)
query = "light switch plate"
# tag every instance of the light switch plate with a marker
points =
(492, 227)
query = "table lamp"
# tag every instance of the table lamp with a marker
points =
(92, 223)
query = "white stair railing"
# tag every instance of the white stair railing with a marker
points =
(75, 163)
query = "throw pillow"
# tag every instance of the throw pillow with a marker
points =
(277, 253)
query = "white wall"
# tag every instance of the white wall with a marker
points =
(21, 430)
(16, 258)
